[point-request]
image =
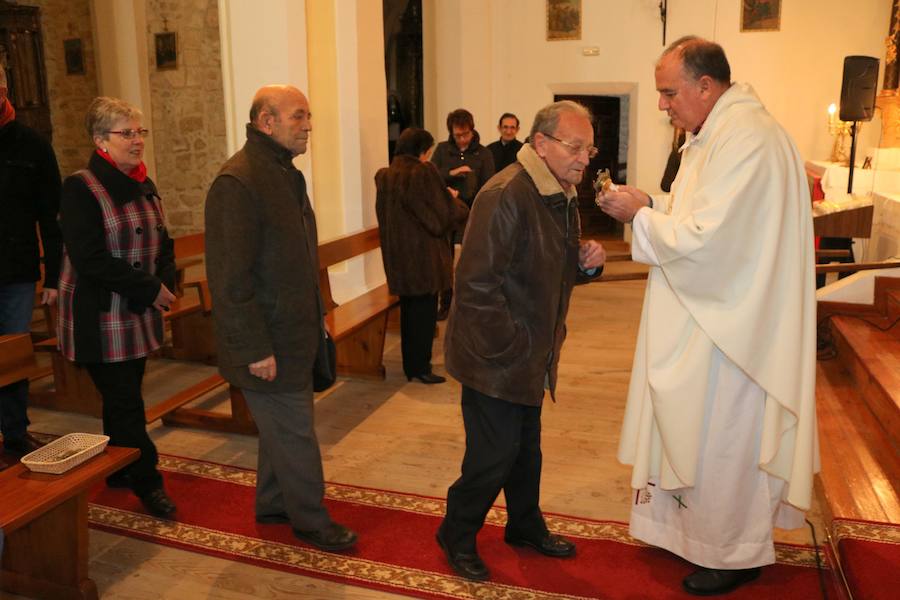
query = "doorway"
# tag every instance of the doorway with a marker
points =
(403, 58)
(610, 112)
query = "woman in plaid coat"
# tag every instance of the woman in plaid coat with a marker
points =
(118, 269)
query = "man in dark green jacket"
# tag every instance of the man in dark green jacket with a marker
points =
(263, 269)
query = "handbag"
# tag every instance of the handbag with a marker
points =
(325, 365)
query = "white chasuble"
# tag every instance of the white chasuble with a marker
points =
(728, 322)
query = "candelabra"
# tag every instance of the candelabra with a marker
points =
(840, 130)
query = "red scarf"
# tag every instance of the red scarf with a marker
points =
(139, 173)
(7, 113)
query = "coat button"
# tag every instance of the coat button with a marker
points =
(159, 227)
(137, 264)
(156, 261)
(139, 230)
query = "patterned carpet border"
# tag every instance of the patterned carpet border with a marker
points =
(789, 554)
(867, 531)
(390, 577)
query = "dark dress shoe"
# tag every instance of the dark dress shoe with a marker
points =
(427, 378)
(549, 544)
(712, 582)
(158, 503)
(467, 564)
(276, 519)
(333, 538)
(22, 446)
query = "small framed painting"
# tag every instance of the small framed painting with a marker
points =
(166, 50)
(74, 56)
(760, 15)
(563, 20)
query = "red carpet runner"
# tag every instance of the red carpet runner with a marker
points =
(397, 551)
(870, 556)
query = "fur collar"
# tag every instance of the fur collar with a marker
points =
(546, 183)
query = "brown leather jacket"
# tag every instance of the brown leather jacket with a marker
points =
(515, 275)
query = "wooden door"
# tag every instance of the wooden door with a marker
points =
(22, 55)
(606, 111)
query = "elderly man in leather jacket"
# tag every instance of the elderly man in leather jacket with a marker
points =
(521, 256)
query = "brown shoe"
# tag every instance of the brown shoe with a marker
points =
(334, 538)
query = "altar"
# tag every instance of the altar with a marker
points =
(872, 211)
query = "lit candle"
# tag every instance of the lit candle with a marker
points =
(831, 110)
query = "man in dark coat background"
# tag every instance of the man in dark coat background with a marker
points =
(507, 147)
(29, 194)
(465, 165)
(262, 265)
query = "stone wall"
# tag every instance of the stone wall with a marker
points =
(70, 95)
(188, 108)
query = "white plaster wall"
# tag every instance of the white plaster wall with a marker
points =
(122, 60)
(263, 42)
(492, 56)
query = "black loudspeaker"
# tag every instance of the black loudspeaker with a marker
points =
(858, 88)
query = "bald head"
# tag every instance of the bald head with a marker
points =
(269, 99)
(282, 112)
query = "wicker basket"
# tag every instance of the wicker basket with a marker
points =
(68, 451)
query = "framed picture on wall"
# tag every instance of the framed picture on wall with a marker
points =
(74, 56)
(760, 15)
(563, 20)
(166, 50)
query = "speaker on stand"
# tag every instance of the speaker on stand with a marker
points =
(860, 80)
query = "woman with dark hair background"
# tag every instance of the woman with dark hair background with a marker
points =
(415, 213)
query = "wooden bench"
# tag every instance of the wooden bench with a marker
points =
(17, 360)
(358, 325)
(358, 328)
(44, 519)
(74, 391)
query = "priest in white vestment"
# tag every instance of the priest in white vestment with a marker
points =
(720, 424)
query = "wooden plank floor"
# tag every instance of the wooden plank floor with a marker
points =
(401, 436)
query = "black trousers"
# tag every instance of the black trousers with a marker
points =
(503, 452)
(119, 384)
(418, 317)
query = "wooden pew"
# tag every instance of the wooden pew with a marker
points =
(16, 358)
(357, 326)
(74, 391)
(44, 519)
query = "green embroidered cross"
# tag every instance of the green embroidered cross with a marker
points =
(680, 503)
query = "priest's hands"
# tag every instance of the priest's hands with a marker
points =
(623, 204)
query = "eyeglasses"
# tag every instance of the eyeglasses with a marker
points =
(463, 135)
(130, 134)
(591, 150)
